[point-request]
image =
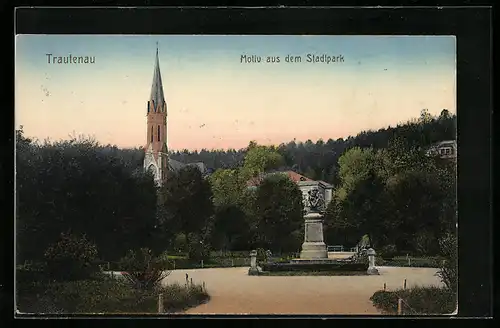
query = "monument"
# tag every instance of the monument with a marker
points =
(314, 247)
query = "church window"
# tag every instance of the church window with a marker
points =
(158, 133)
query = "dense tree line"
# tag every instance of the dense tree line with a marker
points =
(81, 187)
(384, 187)
(319, 160)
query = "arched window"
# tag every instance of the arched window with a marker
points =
(158, 133)
(151, 133)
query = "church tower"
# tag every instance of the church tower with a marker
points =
(156, 156)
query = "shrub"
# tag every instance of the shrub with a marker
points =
(105, 295)
(144, 271)
(448, 271)
(177, 297)
(416, 300)
(387, 252)
(71, 258)
(309, 267)
(180, 243)
(197, 249)
(416, 262)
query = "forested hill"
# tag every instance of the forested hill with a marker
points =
(319, 160)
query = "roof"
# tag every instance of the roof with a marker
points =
(445, 143)
(176, 165)
(294, 176)
(157, 96)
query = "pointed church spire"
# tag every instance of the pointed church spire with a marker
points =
(157, 88)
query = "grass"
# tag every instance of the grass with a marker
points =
(104, 295)
(417, 262)
(313, 273)
(416, 301)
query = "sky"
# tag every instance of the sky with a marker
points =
(216, 101)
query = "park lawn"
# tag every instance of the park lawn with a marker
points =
(417, 261)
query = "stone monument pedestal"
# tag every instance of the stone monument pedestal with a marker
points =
(254, 269)
(313, 246)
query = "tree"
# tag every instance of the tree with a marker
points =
(79, 185)
(279, 210)
(187, 202)
(355, 165)
(364, 207)
(445, 115)
(71, 258)
(416, 200)
(230, 227)
(259, 159)
(227, 187)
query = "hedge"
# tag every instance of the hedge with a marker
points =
(104, 295)
(272, 267)
(416, 300)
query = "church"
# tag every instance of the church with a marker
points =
(156, 159)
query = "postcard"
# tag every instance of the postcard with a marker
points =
(236, 174)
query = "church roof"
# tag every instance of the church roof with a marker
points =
(157, 88)
(175, 165)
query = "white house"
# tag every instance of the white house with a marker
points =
(445, 149)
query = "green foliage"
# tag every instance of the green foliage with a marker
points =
(388, 251)
(279, 211)
(417, 199)
(416, 300)
(231, 228)
(198, 249)
(105, 295)
(398, 196)
(259, 159)
(227, 187)
(83, 186)
(414, 262)
(178, 298)
(71, 258)
(309, 273)
(187, 202)
(143, 270)
(322, 157)
(180, 243)
(448, 271)
(309, 267)
(355, 165)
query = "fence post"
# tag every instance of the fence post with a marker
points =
(384, 286)
(404, 285)
(160, 303)
(191, 281)
(400, 306)
(204, 288)
(202, 264)
(174, 264)
(232, 262)
(409, 261)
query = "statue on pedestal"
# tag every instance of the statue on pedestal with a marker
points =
(315, 201)
(314, 247)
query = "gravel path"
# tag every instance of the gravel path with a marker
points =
(232, 291)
